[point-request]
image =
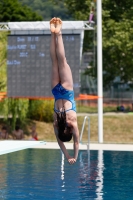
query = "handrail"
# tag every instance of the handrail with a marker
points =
(82, 130)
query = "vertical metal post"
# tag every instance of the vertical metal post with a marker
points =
(88, 133)
(99, 69)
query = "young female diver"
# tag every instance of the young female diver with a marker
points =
(65, 118)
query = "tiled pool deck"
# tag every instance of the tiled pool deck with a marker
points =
(91, 146)
(9, 146)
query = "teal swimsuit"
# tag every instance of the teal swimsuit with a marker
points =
(60, 92)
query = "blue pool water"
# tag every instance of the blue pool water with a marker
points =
(44, 175)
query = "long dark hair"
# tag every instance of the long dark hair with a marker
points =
(64, 132)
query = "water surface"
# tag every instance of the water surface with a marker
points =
(43, 174)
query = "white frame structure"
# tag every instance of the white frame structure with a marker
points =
(44, 25)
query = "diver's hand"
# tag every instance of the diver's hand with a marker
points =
(71, 160)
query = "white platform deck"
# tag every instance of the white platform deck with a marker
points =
(9, 146)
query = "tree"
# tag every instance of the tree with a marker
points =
(14, 110)
(117, 35)
(47, 9)
(12, 11)
(15, 11)
(117, 40)
(3, 44)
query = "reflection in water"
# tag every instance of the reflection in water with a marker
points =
(62, 173)
(99, 179)
(87, 176)
(3, 175)
(91, 175)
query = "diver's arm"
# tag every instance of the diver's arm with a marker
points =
(63, 148)
(75, 140)
(61, 144)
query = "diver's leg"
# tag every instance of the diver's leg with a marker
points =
(55, 71)
(64, 69)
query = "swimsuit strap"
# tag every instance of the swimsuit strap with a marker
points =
(72, 108)
(58, 110)
(63, 111)
(69, 109)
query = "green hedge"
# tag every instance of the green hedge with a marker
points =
(41, 110)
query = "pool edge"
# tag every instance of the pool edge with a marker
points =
(91, 146)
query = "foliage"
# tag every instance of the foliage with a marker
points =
(117, 35)
(3, 53)
(79, 9)
(41, 110)
(117, 40)
(12, 10)
(47, 9)
(14, 110)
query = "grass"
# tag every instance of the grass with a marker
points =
(117, 129)
(94, 109)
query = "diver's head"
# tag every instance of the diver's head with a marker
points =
(64, 131)
(66, 135)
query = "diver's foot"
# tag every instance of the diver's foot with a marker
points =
(58, 26)
(52, 24)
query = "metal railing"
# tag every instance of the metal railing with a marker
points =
(82, 130)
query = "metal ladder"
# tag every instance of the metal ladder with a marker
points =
(82, 130)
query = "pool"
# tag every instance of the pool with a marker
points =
(43, 174)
